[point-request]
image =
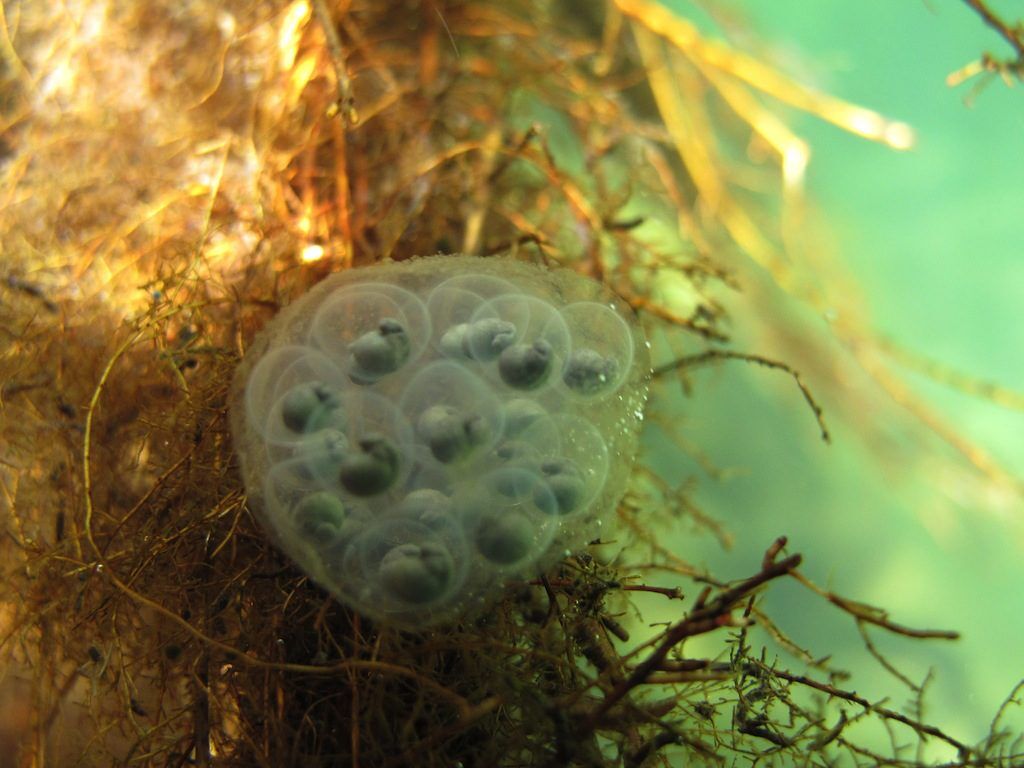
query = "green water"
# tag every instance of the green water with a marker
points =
(935, 238)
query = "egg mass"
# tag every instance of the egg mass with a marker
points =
(415, 434)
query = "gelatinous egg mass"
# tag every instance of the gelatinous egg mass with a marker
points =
(416, 434)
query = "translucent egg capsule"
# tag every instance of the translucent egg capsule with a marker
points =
(319, 516)
(379, 352)
(454, 300)
(311, 406)
(457, 414)
(417, 573)
(520, 413)
(380, 441)
(533, 321)
(372, 329)
(427, 505)
(588, 373)
(507, 540)
(602, 349)
(318, 456)
(283, 370)
(302, 411)
(403, 565)
(370, 468)
(284, 486)
(451, 433)
(504, 522)
(262, 382)
(526, 366)
(573, 466)
(566, 484)
(481, 340)
(518, 453)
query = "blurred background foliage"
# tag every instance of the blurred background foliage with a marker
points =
(924, 246)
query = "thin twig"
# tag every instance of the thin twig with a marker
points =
(345, 103)
(1013, 36)
(756, 668)
(711, 355)
(705, 619)
(876, 616)
(31, 289)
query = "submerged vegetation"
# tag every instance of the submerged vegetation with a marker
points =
(175, 172)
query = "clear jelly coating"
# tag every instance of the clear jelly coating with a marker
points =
(415, 435)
